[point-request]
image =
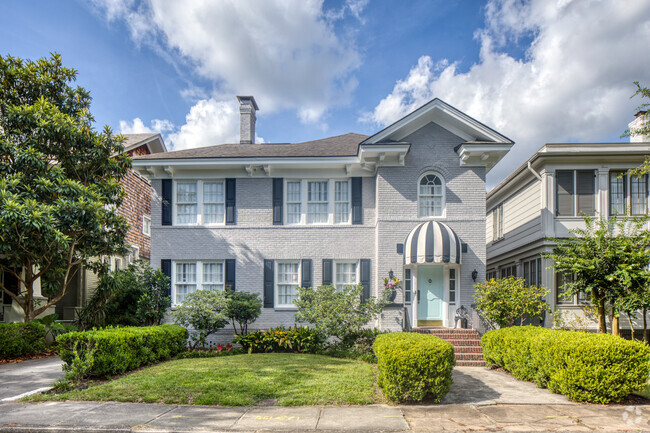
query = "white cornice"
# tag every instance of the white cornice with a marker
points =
(482, 155)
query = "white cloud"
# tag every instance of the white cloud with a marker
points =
(286, 52)
(137, 126)
(573, 84)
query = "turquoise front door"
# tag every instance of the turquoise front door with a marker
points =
(431, 289)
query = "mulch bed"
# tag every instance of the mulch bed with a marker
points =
(45, 354)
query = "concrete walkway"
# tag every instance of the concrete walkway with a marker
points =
(480, 400)
(20, 378)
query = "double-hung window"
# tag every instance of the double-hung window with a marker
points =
(189, 276)
(639, 194)
(146, 225)
(186, 202)
(317, 202)
(214, 203)
(575, 192)
(345, 274)
(200, 202)
(294, 202)
(287, 281)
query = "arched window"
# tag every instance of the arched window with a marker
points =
(431, 196)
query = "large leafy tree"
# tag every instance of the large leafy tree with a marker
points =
(608, 259)
(59, 180)
(643, 128)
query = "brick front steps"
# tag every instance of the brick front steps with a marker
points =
(466, 342)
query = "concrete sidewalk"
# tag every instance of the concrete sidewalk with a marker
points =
(131, 417)
(20, 378)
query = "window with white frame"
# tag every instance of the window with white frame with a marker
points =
(497, 222)
(313, 202)
(627, 191)
(189, 276)
(452, 286)
(146, 225)
(287, 282)
(200, 202)
(214, 203)
(294, 202)
(431, 196)
(345, 274)
(186, 202)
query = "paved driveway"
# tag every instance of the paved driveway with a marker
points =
(26, 376)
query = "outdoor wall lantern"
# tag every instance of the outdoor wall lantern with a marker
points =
(474, 275)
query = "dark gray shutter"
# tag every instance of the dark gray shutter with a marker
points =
(306, 280)
(278, 187)
(230, 274)
(166, 268)
(166, 202)
(268, 284)
(231, 193)
(357, 205)
(585, 189)
(564, 193)
(327, 272)
(364, 278)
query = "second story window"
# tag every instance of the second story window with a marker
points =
(186, 202)
(431, 196)
(200, 202)
(317, 202)
(497, 222)
(627, 192)
(575, 192)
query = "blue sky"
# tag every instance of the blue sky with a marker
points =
(537, 71)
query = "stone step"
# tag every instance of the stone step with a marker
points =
(469, 357)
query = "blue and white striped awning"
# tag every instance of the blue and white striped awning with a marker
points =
(432, 242)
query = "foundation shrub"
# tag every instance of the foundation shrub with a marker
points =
(19, 339)
(413, 366)
(113, 351)
(585, 367)
(300, 339)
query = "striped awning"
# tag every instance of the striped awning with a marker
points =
(432, 242)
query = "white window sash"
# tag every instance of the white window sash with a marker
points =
(200, 205)
(304, 202)
(431, 200)
(335, 277)
(289, 285)
(199, 277)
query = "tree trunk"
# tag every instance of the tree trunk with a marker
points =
(615, 325)
(629, 318)
(645, 327)
(28, 307)
(602, 324)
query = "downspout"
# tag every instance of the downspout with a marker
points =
(532, 170)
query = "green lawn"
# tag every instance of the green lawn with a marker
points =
(240, 380)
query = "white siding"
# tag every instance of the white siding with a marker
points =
(489, 223)
(523, 207)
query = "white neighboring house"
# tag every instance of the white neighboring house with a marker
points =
(545, 196)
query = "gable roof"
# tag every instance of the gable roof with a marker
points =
(153, 141)
(443, 114)
(340, 145)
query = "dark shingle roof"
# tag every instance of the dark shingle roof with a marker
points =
(340, 145)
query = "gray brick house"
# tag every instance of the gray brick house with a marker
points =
(267, 218)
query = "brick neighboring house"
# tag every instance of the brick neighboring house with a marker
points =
(267, 218)
(136, 207)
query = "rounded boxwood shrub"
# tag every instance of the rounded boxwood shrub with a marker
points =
(18, 339)
(112, 351)
(413, 366)
(595, 368)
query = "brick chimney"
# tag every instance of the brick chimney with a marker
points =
(247, 109)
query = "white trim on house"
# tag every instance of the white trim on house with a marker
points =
(443, 205)
(304, 202)
(146, 225)
(199, 276)
(276, 283)
(199, 203)
(335, 280)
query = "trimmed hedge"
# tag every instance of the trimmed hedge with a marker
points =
(18, 339)
(413, 366)
(116, 350)
(585, 367)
